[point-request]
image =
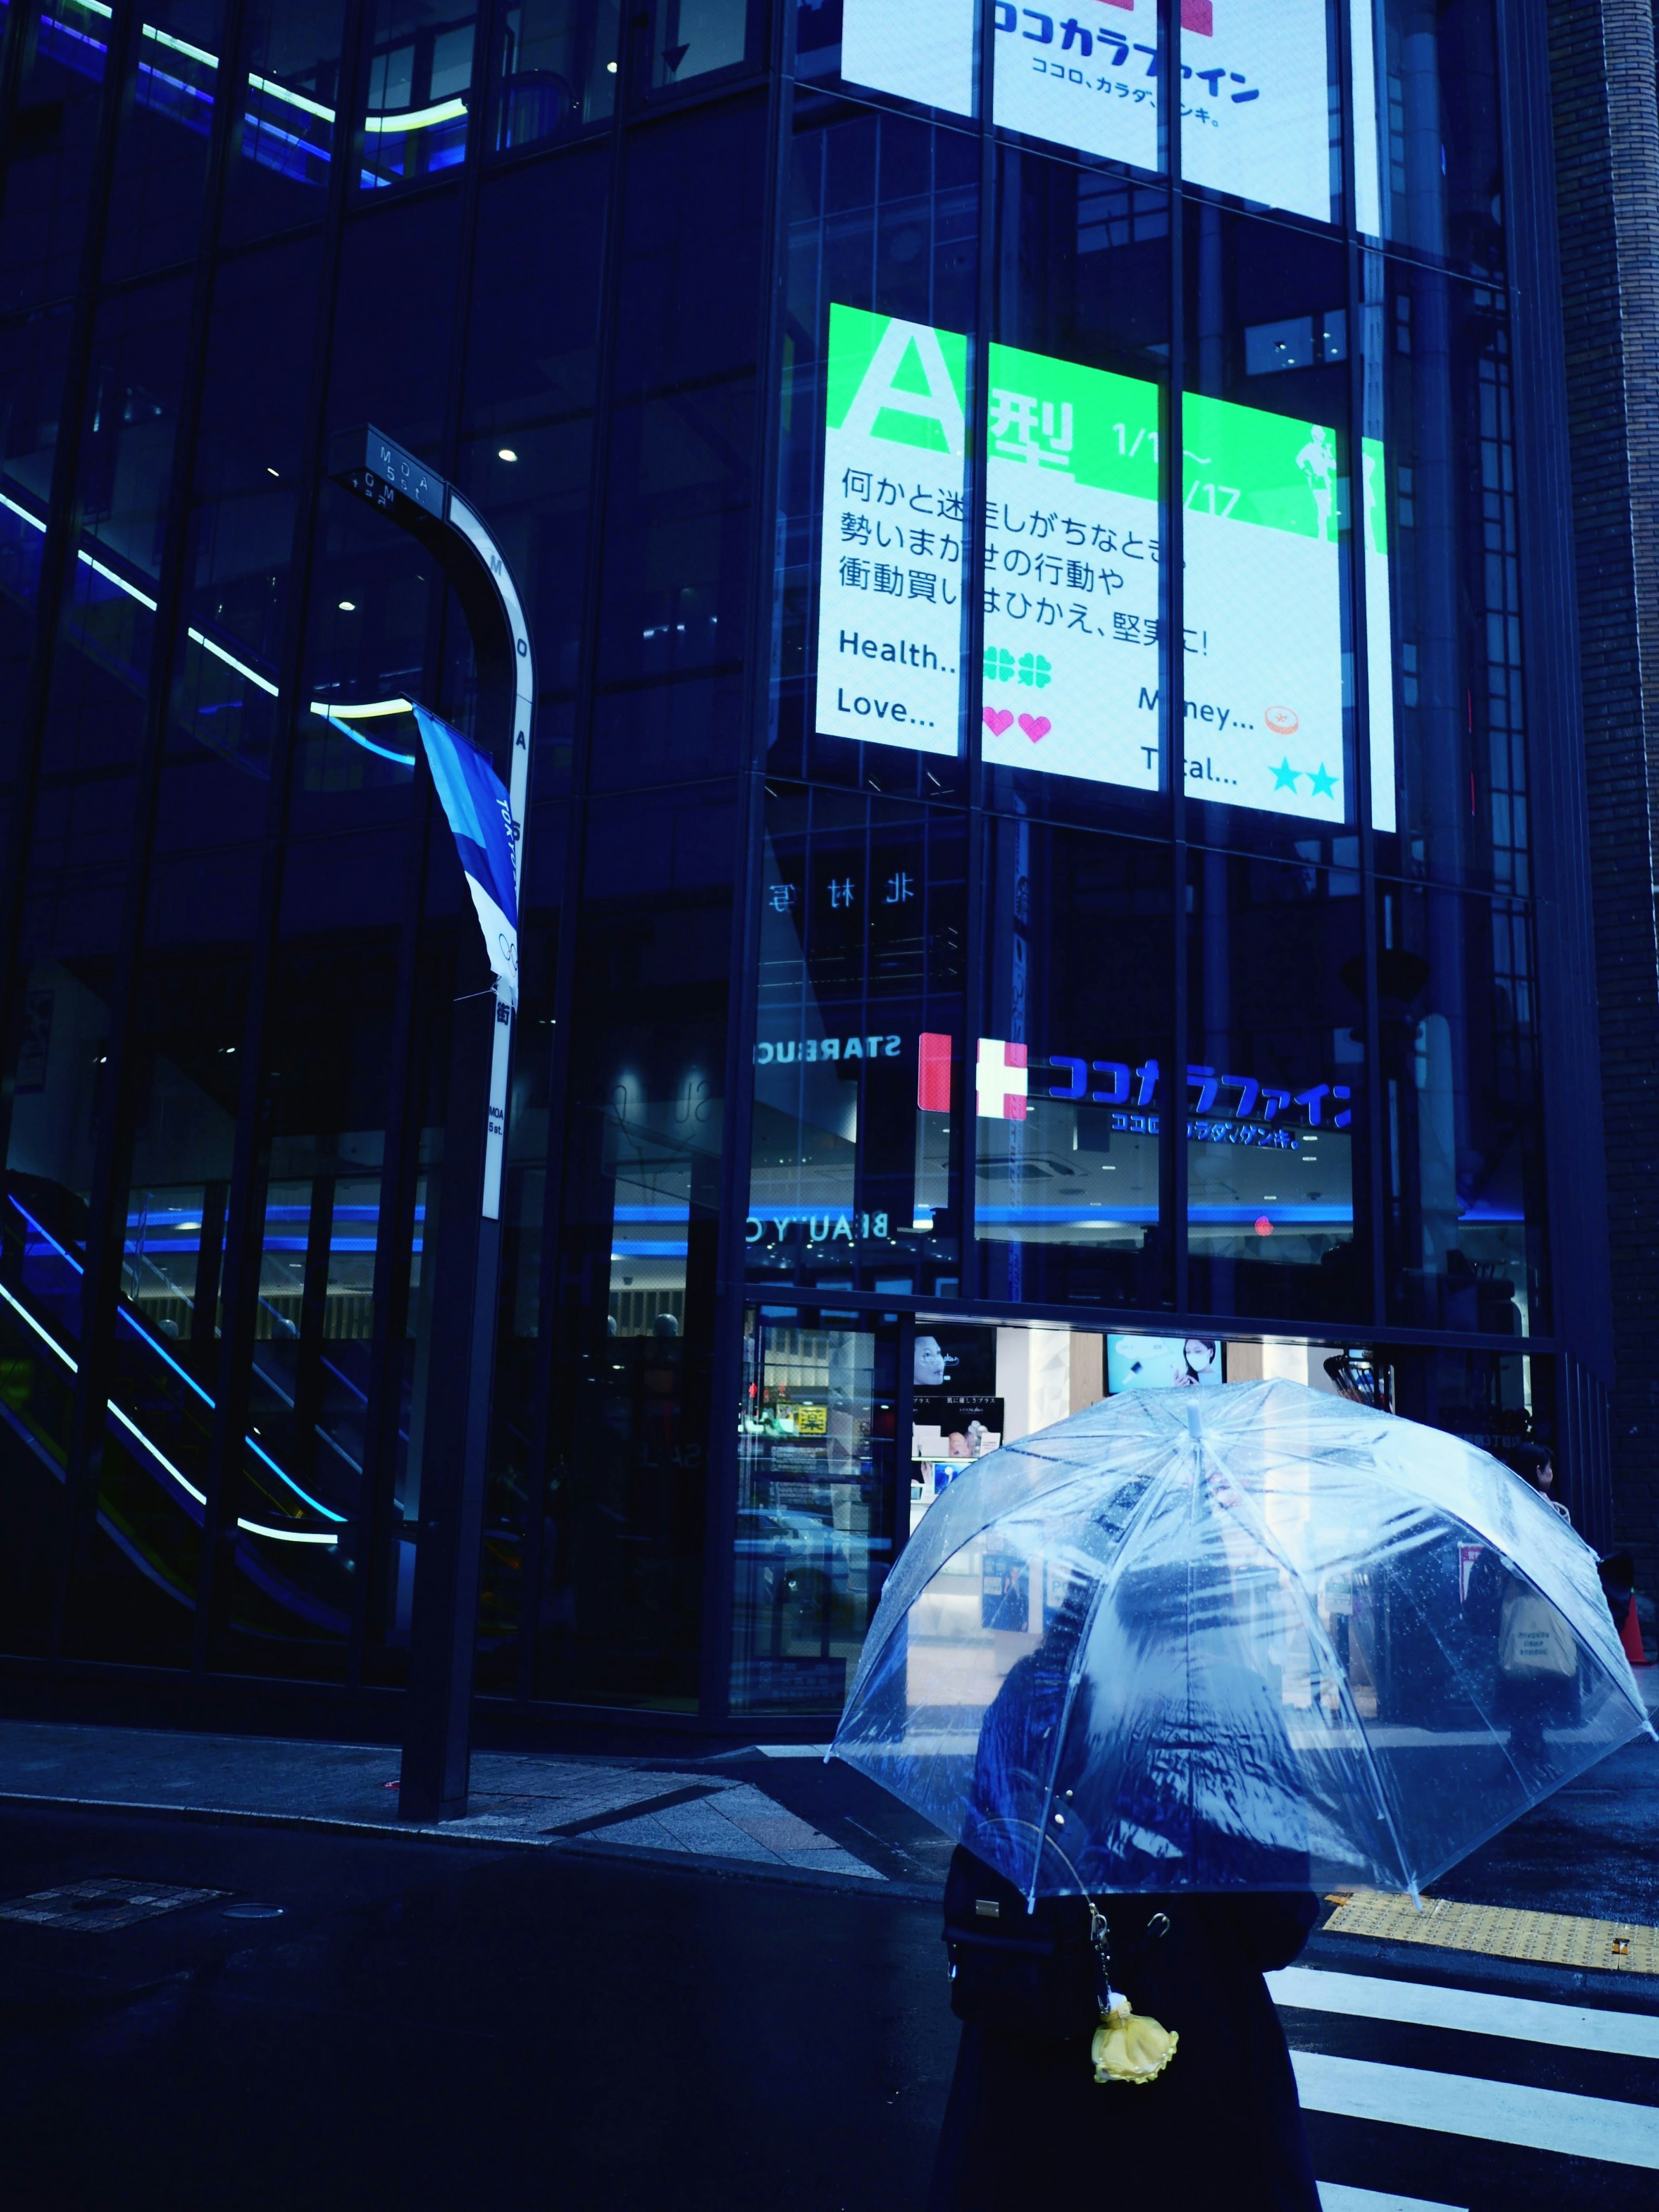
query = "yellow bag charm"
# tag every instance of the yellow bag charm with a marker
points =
(1130, 2046)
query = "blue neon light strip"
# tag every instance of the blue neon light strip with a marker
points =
(151, 1344)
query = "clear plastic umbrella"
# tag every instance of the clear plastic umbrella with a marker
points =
(1250, 1638)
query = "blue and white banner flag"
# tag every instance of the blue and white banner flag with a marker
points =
(476, 804)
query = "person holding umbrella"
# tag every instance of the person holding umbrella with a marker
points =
(1180, 1740)
(1030, 1987)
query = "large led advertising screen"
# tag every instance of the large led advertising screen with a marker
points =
(1254, 100)
(1073, 560)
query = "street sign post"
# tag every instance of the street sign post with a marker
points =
(448, 1524)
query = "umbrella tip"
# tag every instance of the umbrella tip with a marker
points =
(1194, 1417)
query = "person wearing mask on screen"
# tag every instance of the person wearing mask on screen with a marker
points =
(1200, 1358)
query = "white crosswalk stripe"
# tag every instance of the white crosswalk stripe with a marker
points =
(1473, 2105)
(1429, 2004)
(1491, 2112)
(1336, 2196)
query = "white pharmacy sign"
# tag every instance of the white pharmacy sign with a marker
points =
(1072, 557)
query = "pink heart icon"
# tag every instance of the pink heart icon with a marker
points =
(997, 719)
(1035, 725)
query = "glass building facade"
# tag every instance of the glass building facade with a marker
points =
(1054, 857)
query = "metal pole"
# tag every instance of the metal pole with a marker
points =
(455, 1449)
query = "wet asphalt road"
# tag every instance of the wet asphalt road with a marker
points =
(431, 2025)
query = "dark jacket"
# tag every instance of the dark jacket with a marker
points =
(1222, 2126)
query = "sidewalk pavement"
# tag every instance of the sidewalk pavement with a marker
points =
(1588, 1849)
(703, 1808)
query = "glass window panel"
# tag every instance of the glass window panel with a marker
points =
(57, 1087)
(378, 614)
(1268, 737)
(859, 1076)
(223, 724)
(872, 617)
(1442, 170)
(556, 71)
(1069, 1090)
(300, 1488)
(1259, 88)
(102, 669)
(62, 1053)
(1459, 1061)
(976, 1388)
(673, 594)
(527, 432)
(32, 365)
(135, 1596)
(816, 1476)
(516, 1497)
(694, 36)
(289, 123)
(49, 154)
(1493, 1399)
(420, 80)
(161, 153)
(1446, 377)
(1071, 719)
(1275, 1087)
(396, 1416)
(621, 1563)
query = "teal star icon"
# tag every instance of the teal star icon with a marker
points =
(1284, 775)
(1324, 784)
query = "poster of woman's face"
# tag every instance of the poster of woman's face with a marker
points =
(1163, 1363)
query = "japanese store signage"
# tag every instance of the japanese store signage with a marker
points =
(1073, 552)
(1255, 107)
(1006, 1080)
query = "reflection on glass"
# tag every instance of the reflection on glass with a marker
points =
(631, 1409)
(1259, 99)
(57, 1086)
(861, 935)
(301, 1492)
(515, 1522)
(894, 449)
(1446, 367)
(164, 1376)
(289, 121)
(1460, 1062)
(420, 79)
(814, 1532)
(695, 36)
(978, 1389)
(161, 148)
(1275, 1084)
(883, 221)
(557, 70)
(50, 139)
(1074, 544)
(241, 526)
(1441, 166)
(1071, 1088)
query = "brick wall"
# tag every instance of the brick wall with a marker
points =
(1606, 149)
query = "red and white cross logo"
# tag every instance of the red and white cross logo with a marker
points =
(1001, 1080)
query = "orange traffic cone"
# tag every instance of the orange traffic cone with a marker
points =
(1631, 1636)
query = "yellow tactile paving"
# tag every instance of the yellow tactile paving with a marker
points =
(1556, 1939)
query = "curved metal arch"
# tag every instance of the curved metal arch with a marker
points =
(386, 478)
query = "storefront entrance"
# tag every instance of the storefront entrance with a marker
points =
(853, 1425)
